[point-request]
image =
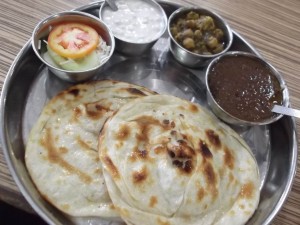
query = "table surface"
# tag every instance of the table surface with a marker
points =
(271, 26)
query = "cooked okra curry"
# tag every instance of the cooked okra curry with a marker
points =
(198, 33)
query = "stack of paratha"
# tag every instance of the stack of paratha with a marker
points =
(168, 161)
(62, 150)
(165, 160)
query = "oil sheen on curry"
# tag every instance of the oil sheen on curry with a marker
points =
(245, 88)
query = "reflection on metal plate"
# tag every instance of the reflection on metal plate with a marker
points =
(274, 146)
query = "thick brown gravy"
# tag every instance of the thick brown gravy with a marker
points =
(245, 87)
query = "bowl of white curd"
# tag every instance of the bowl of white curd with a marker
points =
(136, 25)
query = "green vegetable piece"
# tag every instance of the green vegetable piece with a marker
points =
(88, 62)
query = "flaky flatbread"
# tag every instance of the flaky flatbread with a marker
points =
(168, 161)
(62, 150)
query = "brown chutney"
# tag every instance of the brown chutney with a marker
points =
(245, 87)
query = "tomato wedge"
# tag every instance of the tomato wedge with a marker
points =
(73, 40)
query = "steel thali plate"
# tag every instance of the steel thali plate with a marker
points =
(29, 85)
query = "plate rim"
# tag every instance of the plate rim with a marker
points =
(8, 154)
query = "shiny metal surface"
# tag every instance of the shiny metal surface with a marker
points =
(112, 4)
(286, 111)
(189, 58)
(30, 84)
(227, 117)
(43, 28)
(131, 48)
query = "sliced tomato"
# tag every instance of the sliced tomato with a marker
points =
(73, 40)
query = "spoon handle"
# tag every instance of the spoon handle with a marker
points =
(286, 111)
(112, 5)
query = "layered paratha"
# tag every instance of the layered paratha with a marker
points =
(168, 161)
(62, 150)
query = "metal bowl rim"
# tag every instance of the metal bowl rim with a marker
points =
(71, 13)
(162, 12)
(275, 73)
(216, 15)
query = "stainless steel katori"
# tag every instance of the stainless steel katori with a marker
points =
(44, 27)
(227, 117)
(133, 48)
(187, 57)
(274, 145)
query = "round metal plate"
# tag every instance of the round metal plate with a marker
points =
(29, 85)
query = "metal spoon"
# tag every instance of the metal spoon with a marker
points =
(286, 111)
(112, 4)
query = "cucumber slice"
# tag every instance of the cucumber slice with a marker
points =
(88, 62)
(46, 56)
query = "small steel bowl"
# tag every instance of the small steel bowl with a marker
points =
(131, 48)
(227, 117)
(44, 27)
(187, 57)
